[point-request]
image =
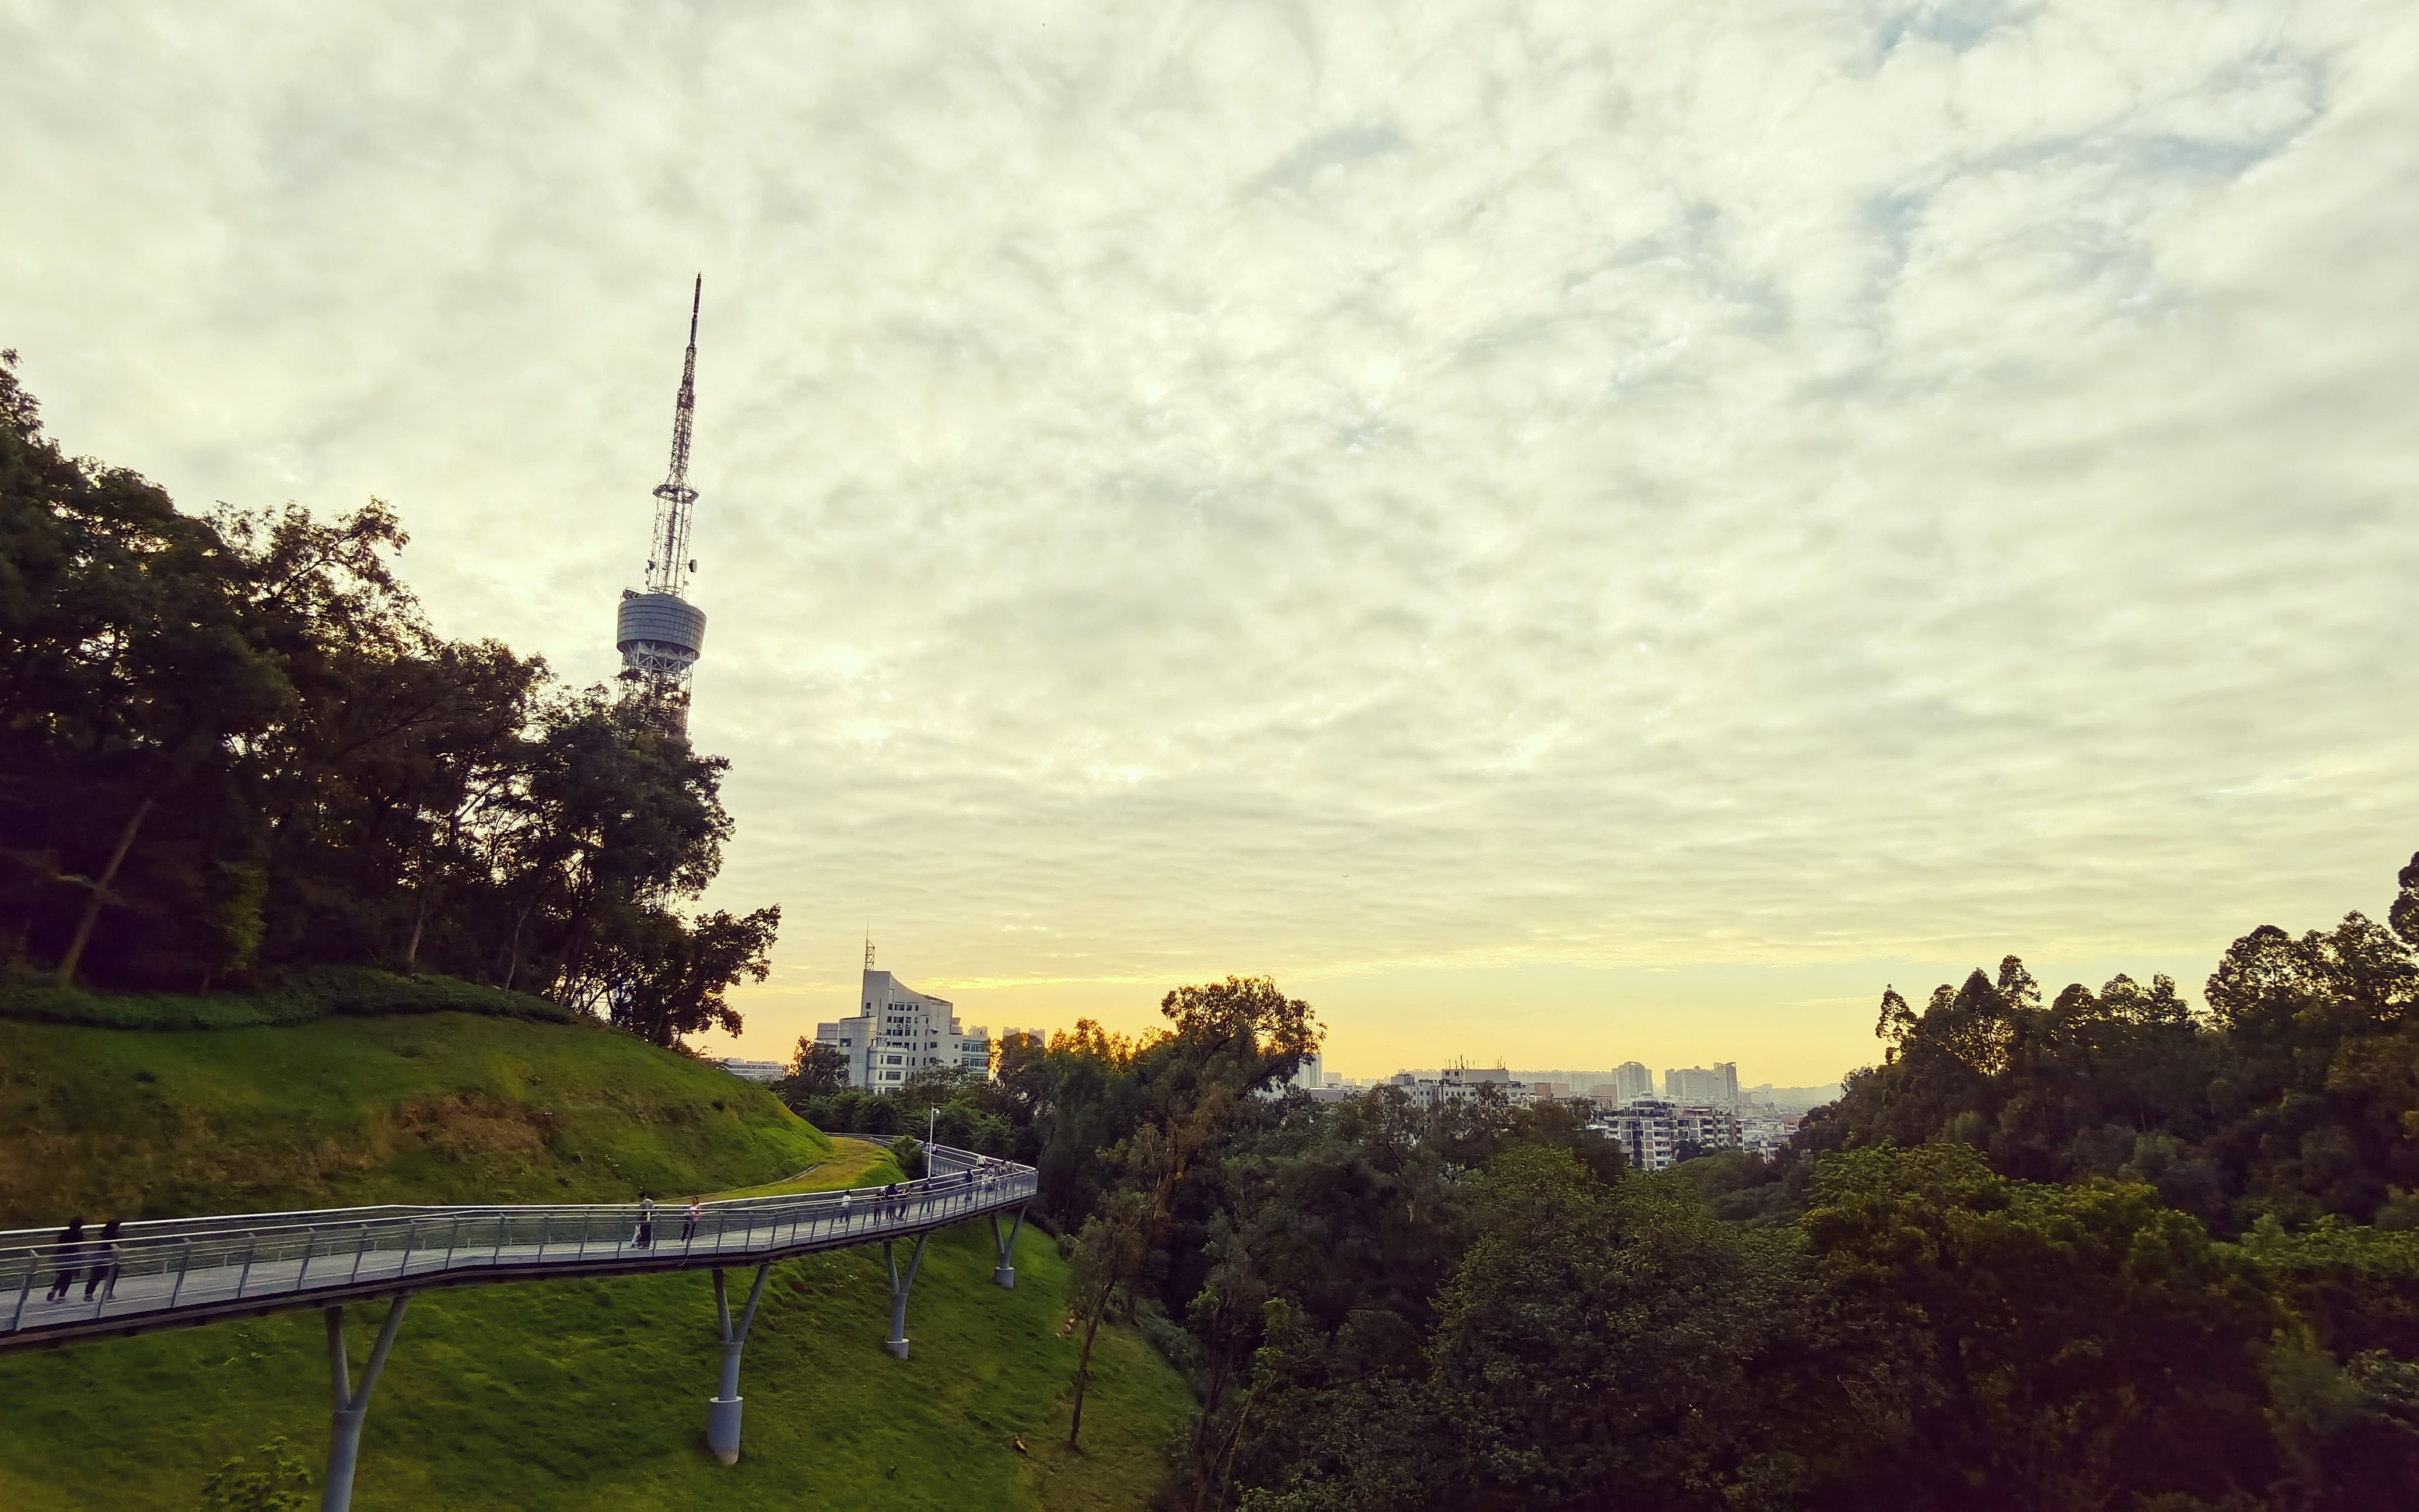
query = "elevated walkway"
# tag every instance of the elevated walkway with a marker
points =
(181, 1272)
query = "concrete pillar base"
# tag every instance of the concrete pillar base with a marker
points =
(722, 1427)
(897, 1347)
(1005, 1277)
(343, 1451)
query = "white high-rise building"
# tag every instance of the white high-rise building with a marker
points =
(898, 1031)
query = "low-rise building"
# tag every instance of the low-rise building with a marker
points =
(755, 1070)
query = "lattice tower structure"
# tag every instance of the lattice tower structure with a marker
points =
(659, 633)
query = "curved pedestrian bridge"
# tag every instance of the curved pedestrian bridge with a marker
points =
(180, 1272)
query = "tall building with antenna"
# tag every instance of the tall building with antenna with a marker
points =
(901, 1031)
(660, 632)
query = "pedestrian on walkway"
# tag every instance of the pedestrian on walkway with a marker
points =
(70, 1249)
(646, 1221)
(688, 1219)
(104, 1264)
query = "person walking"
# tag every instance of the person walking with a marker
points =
(688, 1219)
(103, 1275)
(70, 1248)
(646, 1221)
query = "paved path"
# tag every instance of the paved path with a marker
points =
(178, 1272)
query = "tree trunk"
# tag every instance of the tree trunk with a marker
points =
(418, 919)
(100, 890)
(513, 967)
(1214, 1474)
(1083, 1364)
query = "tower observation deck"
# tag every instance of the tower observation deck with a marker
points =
(659, 633)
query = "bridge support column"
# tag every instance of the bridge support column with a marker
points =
(722, 1411)
(1005, 1272)
(899, 1287)
(352, 1404)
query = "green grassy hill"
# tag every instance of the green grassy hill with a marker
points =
(588, 1394)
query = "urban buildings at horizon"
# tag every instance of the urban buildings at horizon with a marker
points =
(1629, 1082)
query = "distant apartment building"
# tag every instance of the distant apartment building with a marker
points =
(899, 1031)
(1696, 1084)
(1653, 1133)
(1310, 1076)
(1630, 1082)
(1462, 1085)
(755, 1070)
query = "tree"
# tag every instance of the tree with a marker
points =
(618, 814)
(2061, 1346)
(1109, 1251)
(816, 1070)
(1600, 1336)
(666, 976)
(132, 669)
(1227, 1040)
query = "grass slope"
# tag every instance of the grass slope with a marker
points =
(418, 1108)
(586, 1394)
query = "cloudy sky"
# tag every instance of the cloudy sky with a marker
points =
(1561, 532)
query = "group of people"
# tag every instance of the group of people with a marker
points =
(95, 1260)
(645, 1236)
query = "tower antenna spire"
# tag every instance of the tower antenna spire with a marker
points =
(667, 571)
(659, 633)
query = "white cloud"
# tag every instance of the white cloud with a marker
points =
(1329, 487)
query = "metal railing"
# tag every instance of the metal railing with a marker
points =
(158, 1273)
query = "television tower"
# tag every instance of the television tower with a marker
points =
(660, 633)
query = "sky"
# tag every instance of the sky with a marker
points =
(1564, 534)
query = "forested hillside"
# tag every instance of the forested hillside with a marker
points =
(2295, 1096)
(232, 745)
(2106, 1252)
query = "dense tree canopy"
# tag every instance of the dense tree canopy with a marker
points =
(2296, 1093)
(231, 745)
(2103, 1250)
